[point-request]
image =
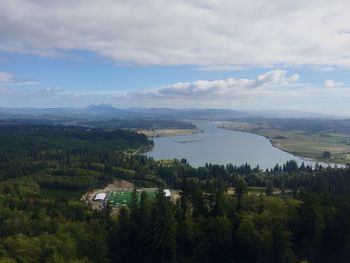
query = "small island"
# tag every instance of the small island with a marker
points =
(167, 132)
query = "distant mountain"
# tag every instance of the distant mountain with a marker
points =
(107, 111)
(103, 109)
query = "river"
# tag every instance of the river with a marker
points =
(219, 146)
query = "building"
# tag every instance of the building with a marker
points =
(167, 193)
(100, 197)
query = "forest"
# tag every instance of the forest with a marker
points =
(302, 215)
(138, 123)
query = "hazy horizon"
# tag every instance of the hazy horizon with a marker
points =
(107, 111)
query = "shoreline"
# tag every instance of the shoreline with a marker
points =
(168, 132)
(306, 158)
(197, 162)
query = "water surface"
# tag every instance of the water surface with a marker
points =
(221, 146)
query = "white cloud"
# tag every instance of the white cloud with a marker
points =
(332, 83)
(6, 77)
(9, 81)
(275, 89)
(230, 87)
(207, 33)
(210, 93)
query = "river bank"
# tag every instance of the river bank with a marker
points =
(299, 143)
(168, 132)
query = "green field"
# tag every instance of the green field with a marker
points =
(123, 198)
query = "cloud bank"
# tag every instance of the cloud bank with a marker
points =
(229, 88)
(183, 94)
(272, 90)
(209, 34)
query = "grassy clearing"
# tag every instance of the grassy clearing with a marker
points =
(123, 198)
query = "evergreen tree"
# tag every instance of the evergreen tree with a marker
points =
(241, 188)
(123, 236)
(163, 240)
(282, 247)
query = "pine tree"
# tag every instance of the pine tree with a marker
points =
(123, 238)
(241, 188)
(140, 230)
(163, 242)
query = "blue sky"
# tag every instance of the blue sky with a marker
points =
(87, 71)
(259, 55)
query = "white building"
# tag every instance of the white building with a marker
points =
(167, 193)
(100, 197)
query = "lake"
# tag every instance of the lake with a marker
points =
(219, 146)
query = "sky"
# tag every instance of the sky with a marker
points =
(244, 55)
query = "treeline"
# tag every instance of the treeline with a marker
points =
(33, 150)
(290, 176)
(301, 214)
(216, 227)
(202, 226)
(138, 123)
(44, 170)
(32, 139)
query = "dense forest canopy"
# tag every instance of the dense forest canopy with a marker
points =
(22, 137)
(301, 214)
(105, 123)
(138, 123)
